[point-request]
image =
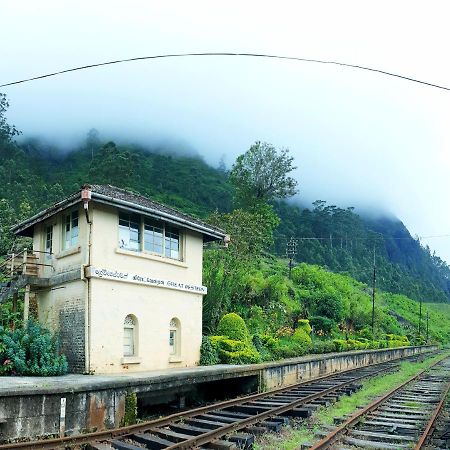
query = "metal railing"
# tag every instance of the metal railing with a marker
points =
(23, 263)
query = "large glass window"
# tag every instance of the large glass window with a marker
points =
(153, 236)
(158, 238)
(70, 230)
(129, 231)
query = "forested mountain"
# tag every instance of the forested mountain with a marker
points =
(35, 175)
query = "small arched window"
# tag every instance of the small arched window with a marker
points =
(174, 337)
(130, 336)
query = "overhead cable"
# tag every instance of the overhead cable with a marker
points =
(252, 55)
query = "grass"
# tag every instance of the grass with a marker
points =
(292, 436)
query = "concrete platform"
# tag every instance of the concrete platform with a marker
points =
(18, 386)
(30, 406)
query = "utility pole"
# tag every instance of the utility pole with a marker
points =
(373, 294)
(291, 251)
(420, 317)
(428, 317)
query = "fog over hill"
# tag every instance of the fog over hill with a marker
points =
(358, 138)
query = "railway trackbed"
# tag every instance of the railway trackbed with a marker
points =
(408, 417)
(225, 425)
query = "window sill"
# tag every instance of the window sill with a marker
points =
(131, 360)
(68, 252)
(175, 359)
(143, 255)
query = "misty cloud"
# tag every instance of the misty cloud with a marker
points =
(358, 138)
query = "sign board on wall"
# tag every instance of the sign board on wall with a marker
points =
(147, 280)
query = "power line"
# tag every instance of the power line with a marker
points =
(309, 238)
(252, 55)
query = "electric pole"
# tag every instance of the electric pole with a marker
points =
(373, 294)
(420, 317)
(291, 251)
(428, 317)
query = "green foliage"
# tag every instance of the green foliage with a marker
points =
(261, 174)
(322, 325)
(31, 351)
(208, 353)
(303, 324)
(7, 132)
(234, 351)
(225, 271)
(403, 265)
(130, 416)
(233, 326)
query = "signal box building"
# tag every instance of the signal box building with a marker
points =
(119, 279)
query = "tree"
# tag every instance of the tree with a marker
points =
(7, 132)
(261, 174)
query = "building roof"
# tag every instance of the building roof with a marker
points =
(125, 200)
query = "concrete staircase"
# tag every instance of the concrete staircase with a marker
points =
(17, 271)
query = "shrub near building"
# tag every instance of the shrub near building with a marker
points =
(233, 344)
(31, 350)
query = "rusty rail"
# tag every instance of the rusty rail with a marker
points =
(430, 425)
(332, 437)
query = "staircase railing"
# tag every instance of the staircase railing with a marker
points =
(22, 263)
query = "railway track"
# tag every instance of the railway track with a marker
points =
(225, 425)
(439, 437)
(404, 418)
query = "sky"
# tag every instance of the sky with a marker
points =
(359, 138)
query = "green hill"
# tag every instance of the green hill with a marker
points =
(35, 175)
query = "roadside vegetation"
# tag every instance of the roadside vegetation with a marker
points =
(293, 436)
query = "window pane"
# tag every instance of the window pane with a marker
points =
(128, 342)
(153, 235)
(173, 341)
(129, 231)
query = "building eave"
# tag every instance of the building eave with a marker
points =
(210, 233)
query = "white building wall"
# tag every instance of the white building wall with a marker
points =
(154, 307)
(89, 314)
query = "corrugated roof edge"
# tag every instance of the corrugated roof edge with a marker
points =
(118, 196)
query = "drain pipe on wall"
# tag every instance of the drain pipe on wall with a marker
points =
(86, 197)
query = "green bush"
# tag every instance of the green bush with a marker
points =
(265, 345)
(208, 354)
(247, 356)
(322, 324)
(230, 351)
(30, 351)
(322, 347)
(303, 324)
(340, 345)
(233, 326)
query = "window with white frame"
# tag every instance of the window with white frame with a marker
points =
(153, 236)
(174, 337)
(129, 231)
(130, 336)
(48, 241)
(70, 230)
(149, 235)
(172, 243)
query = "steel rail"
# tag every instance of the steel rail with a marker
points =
(430, 425)
(243, 423)
(47, 444)
(328, 440)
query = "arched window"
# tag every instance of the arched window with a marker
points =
(130, 336)
(174, 337)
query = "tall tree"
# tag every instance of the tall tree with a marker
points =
(7, 132)
(262, 174)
